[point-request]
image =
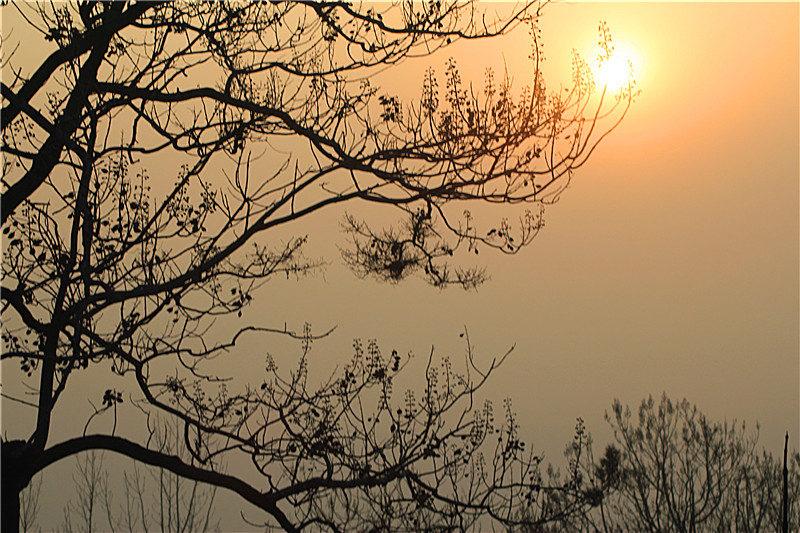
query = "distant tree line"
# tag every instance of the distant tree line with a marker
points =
(671, 469)
(144, 499)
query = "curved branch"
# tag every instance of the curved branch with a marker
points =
(174, 464)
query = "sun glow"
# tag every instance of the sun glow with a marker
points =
(617, 70)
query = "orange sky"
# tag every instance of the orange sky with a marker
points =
(682, 234)
(671, 262)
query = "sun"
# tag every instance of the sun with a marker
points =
(615, 68)
(614, 73)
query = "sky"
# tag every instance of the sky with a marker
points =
(671, 263)
(669, 266)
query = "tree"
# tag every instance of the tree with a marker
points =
(145, 183)
(672, 469)
(174, 505)
(559, 505)
(29, 504)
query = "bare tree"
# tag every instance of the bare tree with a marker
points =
(145, 178)
(184, 506)
(29, 504)
(90, 485)
(174, 505)
(672, 469)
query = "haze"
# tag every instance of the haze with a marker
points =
(671, 264)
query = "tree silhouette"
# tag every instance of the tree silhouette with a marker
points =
(146, 499)
(672, 469)
(149, 161)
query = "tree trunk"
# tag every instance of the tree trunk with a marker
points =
(785, 498)
(10, 509)
(14, 479)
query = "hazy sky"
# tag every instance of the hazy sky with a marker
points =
(671, 262)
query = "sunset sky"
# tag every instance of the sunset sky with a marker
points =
(671, 264)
